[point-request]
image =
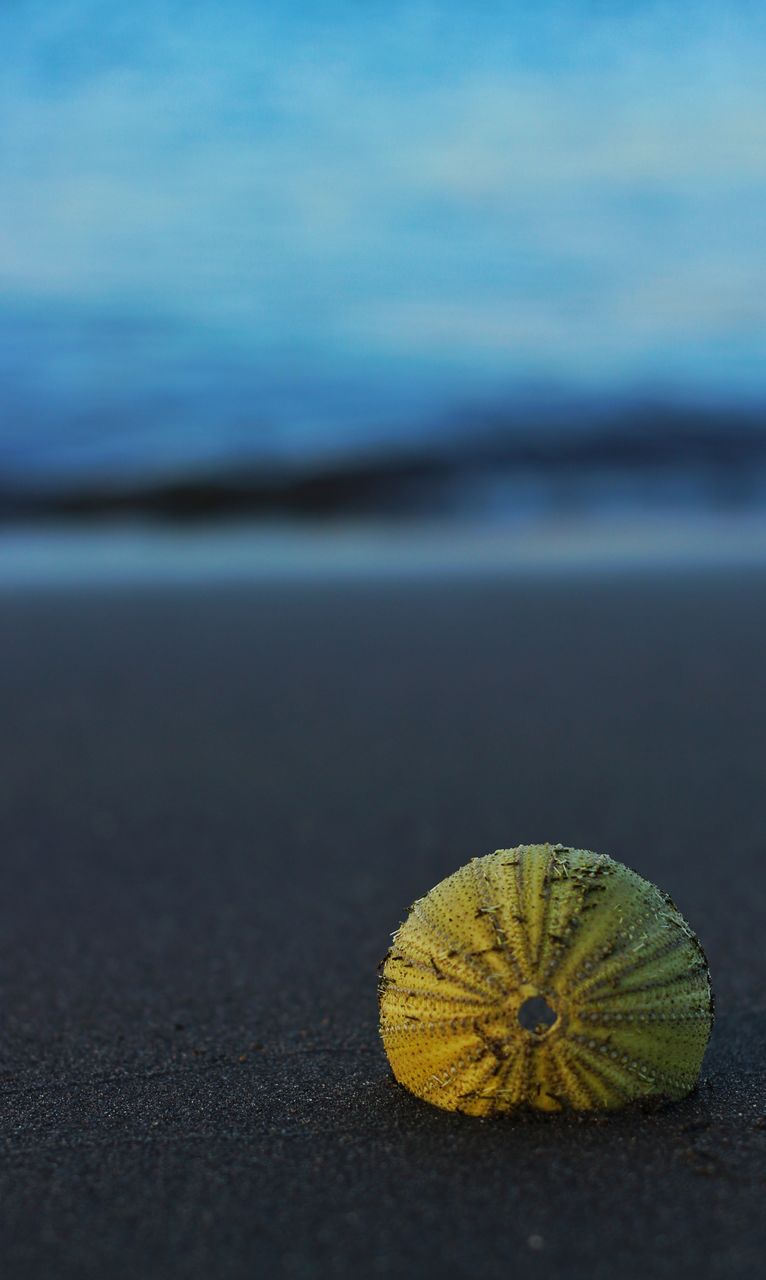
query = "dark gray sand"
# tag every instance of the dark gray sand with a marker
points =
(216, 806)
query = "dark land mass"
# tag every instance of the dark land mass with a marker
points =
(217, 804)
(722, 449)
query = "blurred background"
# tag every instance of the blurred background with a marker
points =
(447, 278)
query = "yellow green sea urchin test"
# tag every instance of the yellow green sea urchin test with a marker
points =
(545, 977)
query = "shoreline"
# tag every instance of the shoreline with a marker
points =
(131, 552)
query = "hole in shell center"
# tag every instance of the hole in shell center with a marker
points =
(536, 1015)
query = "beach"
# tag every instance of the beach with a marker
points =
(218, 801)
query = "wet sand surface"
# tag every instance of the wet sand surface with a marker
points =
(218, 802)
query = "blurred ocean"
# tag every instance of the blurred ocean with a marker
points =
(396, 261)
(109, 416)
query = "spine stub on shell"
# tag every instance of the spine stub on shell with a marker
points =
(545, 977)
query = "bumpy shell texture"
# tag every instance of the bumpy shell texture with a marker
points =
(545, 977)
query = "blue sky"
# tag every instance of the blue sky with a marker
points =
(252, 221)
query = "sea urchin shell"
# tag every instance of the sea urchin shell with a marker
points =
(548, 977)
